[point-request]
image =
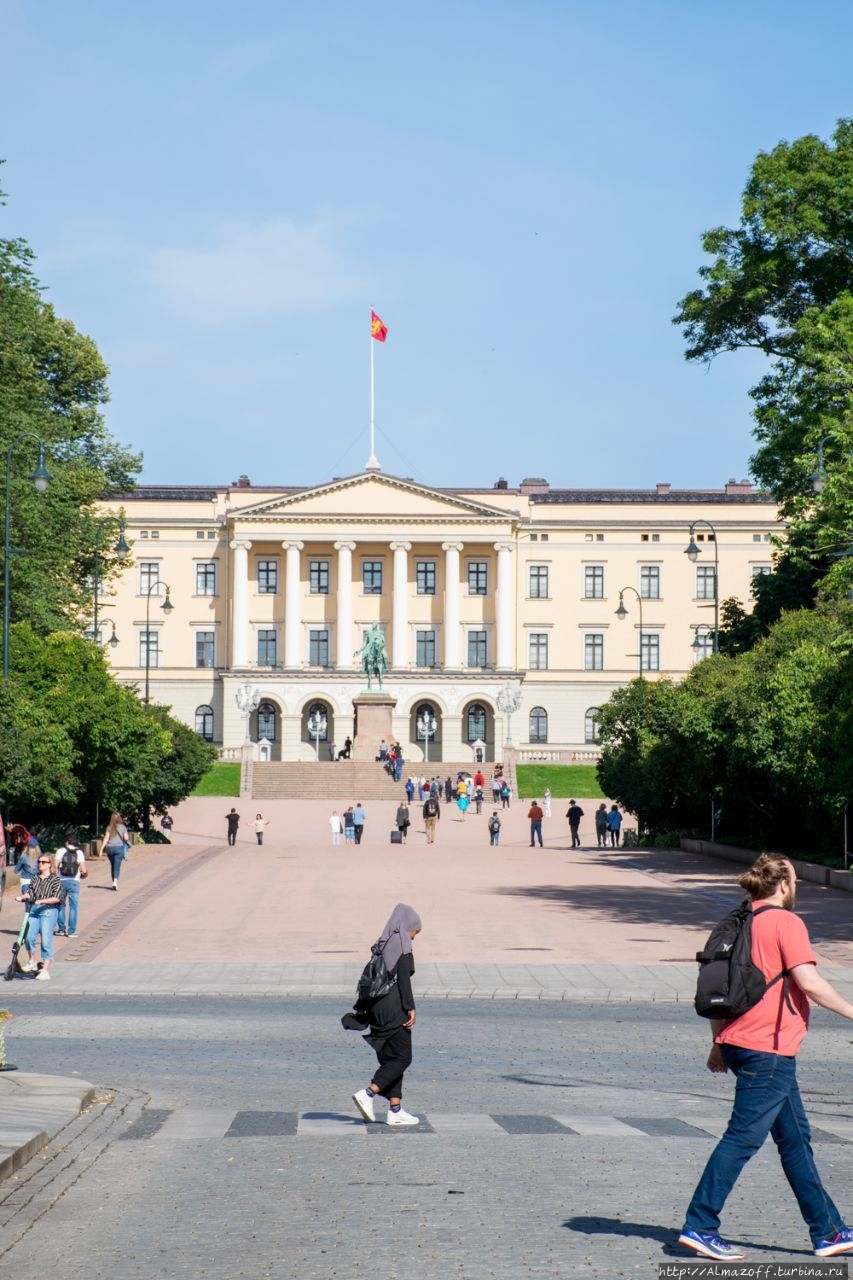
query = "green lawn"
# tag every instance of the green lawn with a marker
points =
(565, 781)
(223, 779)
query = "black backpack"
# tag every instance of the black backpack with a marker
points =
(69, 863)
(375, 981)
(729, 983)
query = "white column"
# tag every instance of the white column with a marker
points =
(344, 622)
(291, 604)
(451, 604)
(400, 605)
(504, 640)
(240, 604)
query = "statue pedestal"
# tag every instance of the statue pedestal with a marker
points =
(373, 712)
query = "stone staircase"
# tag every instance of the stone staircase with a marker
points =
(343, 781)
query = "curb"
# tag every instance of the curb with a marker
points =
(33, 1110)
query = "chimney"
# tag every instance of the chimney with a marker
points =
(501, 484)
(738, 486)
(242, 482)
(662, 488)
(535, 484)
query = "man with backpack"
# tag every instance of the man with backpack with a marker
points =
(763, 1022)
(432, 813)
(71, 866)
(494, 828)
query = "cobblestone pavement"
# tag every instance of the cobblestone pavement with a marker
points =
(559, 1140)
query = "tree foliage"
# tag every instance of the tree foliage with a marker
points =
(75, 737)
(782, 283)
(761, 736)
(53, 385)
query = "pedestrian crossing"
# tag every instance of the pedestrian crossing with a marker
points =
(196, 1124)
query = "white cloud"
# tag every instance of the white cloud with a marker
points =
(254, 268)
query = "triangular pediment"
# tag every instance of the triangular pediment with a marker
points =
(371, 495)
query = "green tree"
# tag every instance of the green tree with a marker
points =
(53, 384)
(782, 283)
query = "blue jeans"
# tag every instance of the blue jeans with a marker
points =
(42, 925)
(535, 833)
(767, 1100)
(71, 900)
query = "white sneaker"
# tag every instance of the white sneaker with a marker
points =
(401, 1117)
(43, 975)
(364, 1101)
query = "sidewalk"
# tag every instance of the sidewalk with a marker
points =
(296, 917)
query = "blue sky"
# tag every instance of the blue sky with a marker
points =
(218, 193)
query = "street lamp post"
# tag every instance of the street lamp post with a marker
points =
(508, 701)
(41, 478)
(622, 614)
(121, 548)
(248, 700)
(692, 553)
(427, 725)
(167, 608)
(317, 725)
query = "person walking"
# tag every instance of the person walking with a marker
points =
(71, 865)
(494, 828)
(260, 823)
(574, 813)
(233, 821)
(403, 820)
(448, 789)
(432, 813)
(506, 794)
(391, 1019)
(614, 824)
(546, 802)
(478, 800)
(535, 814)
(410, 790)
(349, 826)
(462, 803)
(496, 789)
(335, 827)
(115, 845)
(358, 819)
(44, 896)
(601, 827)
(27, 861)
(760, 1048)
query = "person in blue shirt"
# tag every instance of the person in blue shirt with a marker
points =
(358, 818)
(614, 824)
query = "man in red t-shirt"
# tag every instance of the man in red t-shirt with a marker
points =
(760, 1048)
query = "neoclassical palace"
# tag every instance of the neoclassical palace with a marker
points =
(474, 589)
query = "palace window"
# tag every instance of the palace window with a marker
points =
(204, 723)
(318, 648)
(593, 582)
(706, 581)
(538, 727)
(267, 577)
(205, 578)
(477, 648)
(267, 721)
(205, 648)
(590, 725)
(320, 709)
(538, 582)
(149, 577)
(425, 577)
(537, 651)
(478, 577)
(650, 581)
(649, 652)
(593, 651)
(425, 649)
(371, 577)
(149, 649)
(267, 647)
(318, 577)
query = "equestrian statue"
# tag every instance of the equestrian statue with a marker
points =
(372, 656)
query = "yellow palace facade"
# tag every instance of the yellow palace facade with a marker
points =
(480, 594)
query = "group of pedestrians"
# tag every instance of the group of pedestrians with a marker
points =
(607, 822)
(232, 822)
(349, 824)
(50, 889)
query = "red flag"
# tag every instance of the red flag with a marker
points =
(378, 330)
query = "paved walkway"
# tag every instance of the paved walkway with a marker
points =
(296, 916)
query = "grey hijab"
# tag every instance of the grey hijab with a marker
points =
(394, 939)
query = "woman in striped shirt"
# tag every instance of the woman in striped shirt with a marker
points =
(43, 896)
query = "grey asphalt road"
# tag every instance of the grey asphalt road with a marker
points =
(558, 1140)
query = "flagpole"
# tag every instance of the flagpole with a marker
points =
(372, 462)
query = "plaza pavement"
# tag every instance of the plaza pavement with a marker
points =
(296, 917)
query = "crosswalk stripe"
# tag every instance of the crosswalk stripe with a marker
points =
(195, 1123)
(600, 1127)
(461, 1122)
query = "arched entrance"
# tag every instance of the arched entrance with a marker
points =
(266, 723)
(318, 706)
(424, 715)
(478, 724)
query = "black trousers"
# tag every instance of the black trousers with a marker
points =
(395, 1055)
(359, 828)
